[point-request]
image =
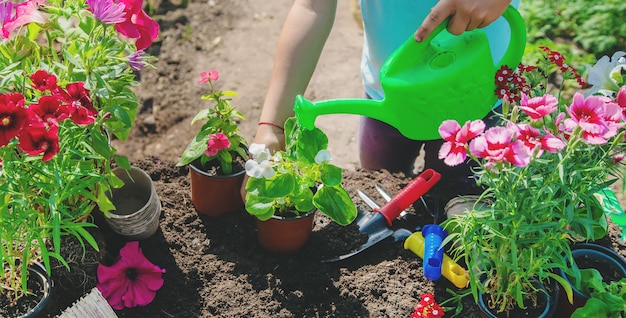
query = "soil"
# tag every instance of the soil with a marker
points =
(214, 266)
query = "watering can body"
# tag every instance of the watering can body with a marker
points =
(444, 77)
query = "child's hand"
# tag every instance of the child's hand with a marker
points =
(273, 138)
(465, 15)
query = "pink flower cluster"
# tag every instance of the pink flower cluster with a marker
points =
(594, 119)
(36, 125)
(428, 308)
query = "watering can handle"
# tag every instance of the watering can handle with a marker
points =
(511, 57)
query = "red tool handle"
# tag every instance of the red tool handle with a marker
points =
(409, 194)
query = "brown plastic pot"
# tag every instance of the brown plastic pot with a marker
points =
(215, 195)
(285, 235)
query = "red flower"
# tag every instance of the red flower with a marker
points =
(43, 81)
(138, 25)
(428, 308)
(13, 116)
(35, 140)
(81, 107)
(49, 110)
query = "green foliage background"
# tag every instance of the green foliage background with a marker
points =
(582, 30)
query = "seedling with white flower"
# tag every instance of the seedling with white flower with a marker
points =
(298, 179)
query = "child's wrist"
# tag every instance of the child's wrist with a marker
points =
(271, 124)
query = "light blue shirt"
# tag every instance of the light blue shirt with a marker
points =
(389, 23)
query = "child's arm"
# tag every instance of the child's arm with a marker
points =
(300, 44)
(465, 15)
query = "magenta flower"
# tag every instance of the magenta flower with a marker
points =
(538, 107)
(36, 140)
(453, 151)
(107, 11)
(138, 25)
(81, 107)
(132, 281)
(620, 99)
(216, 143)
(13, 116)
(24, 13)
(211, 75)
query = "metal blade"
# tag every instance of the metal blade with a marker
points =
(368, 200)
(387, 196)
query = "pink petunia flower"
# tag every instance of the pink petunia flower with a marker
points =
(538, 107)
(216, 143)
(453, 151)
(138, 25)
(132, 281)
(211, 75)
(13, 116)
(35, 140)
(620, 99)
(14, 16)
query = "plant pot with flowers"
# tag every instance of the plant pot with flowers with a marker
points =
(67, 71)
(287, 188)
(217, 154)
(541, 168)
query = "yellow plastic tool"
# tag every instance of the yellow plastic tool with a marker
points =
(452, 271)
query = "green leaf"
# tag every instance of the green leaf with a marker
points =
(122, 161)
(262, 208)
(336, 203)
(202, 115)
(331, 175)
(594, 308)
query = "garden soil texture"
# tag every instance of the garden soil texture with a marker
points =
(215, 266)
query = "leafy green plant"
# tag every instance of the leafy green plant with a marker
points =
(606, 299)
(65, 90)
(218, 138)
(297, 179)
(541, 166)
(594, 25)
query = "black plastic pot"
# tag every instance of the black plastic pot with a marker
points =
(598, 254)
(551, 301)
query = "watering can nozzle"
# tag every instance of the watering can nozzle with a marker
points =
(303, 109)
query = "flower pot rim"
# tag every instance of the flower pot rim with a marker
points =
(204, 173)
(42, 275)
(153, 194)
(293, 218)
(551, 300)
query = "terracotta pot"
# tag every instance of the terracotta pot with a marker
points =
(551, 299)
(598, 254)
(215, 195)
(285, 235)
(137, 205)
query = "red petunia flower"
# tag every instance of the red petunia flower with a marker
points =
(36, 140)
(13, 116)
(138, 25)
(44, 81)
(50, 110)
(81, 107)
(132, 281)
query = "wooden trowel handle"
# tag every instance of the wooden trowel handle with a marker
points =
(409, 194)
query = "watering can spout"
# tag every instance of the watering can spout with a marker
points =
(307, 111)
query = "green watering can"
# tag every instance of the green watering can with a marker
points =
(444, 77)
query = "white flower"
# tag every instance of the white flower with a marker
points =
(600, 73)
(259, 152)
(322, 156)
(259, 170)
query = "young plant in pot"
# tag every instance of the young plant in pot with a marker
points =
(217, 154)
(542, 167)
(291, 185)
(67, 72)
